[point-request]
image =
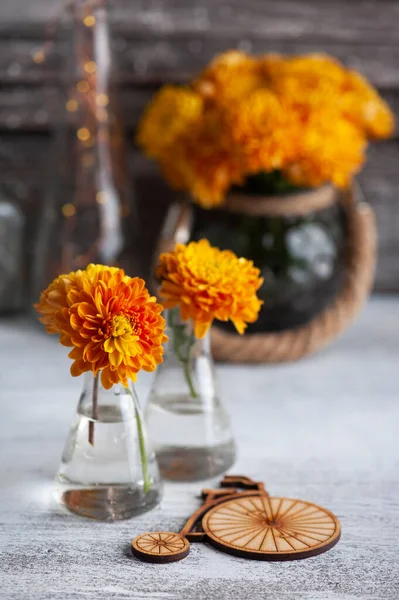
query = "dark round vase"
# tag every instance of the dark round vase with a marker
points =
(301, 257)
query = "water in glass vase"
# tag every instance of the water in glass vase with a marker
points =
(196, 444)
(188, 425)
(108, 471)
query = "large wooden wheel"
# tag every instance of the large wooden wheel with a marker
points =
(160, 546)
(267, 528)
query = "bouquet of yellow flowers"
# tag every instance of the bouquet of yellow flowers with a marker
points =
(305, 118)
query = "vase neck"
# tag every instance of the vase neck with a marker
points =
(91, 382)
(187, 368)
(98, 402)
(182, 340)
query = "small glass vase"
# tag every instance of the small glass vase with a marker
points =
(108, 470)
(187, 423)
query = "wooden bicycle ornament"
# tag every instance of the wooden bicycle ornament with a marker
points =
(247, 523)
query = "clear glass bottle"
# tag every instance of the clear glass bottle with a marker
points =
(88, 213)
(108, 469)
(187, 423)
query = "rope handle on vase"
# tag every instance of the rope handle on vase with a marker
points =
(293, 344)
(296, 343)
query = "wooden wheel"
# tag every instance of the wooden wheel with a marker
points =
(267, 528)
(160, 547)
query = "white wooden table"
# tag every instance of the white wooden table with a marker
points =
(325, 430)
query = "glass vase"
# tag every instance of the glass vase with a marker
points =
(301, 257)
(187, 423)
(108, 470)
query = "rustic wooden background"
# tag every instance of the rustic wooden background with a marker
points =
(156, 41)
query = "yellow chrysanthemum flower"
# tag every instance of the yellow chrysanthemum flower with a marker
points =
(173, 111)
(229, 76)
(214, 162)
(361, 104)
(317, 64)
(207, 161)
(265, 130)
(305, 81)
(207, 284)
(318, 162)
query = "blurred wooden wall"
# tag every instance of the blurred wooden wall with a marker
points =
(156, 41)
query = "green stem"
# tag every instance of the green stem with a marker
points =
(179, 338)
(147, 482)
(143, 454)
(94, 411)
(189, 379)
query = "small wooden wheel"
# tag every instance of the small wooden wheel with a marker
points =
(160, 547)
(267, 528)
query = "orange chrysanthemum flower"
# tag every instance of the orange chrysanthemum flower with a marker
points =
(61, 294)
(55, 298)
(207, 284)
(113, 324)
